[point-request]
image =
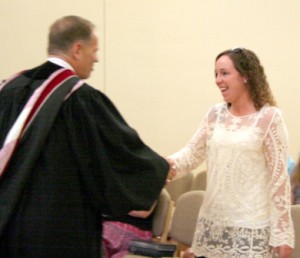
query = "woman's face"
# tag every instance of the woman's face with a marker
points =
(231, 84)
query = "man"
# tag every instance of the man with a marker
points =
(67, 156)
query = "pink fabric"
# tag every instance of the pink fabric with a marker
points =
(117, 236)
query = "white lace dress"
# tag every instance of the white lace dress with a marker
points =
(247, 202)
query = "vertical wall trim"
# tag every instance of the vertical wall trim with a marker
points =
(103, 59)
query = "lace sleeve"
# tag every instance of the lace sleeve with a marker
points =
(275, 151)
(193, 154)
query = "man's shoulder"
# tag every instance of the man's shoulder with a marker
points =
(88, 93)
(88, 89)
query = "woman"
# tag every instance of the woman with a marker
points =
(246, 211)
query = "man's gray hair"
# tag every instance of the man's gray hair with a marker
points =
(67, 30)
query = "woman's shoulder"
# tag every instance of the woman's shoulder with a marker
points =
(270, 115)
(218, 107)
(270, 109)
(215, 112)
(270, 112)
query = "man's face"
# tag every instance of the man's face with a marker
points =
(87, 58)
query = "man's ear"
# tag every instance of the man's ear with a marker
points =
(76, 50)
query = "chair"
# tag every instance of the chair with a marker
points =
(162, 216)
(180, 186)
(184, 220)
(199, 182)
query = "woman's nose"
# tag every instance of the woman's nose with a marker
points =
(218, 79)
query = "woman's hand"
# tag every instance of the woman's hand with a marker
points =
(283, 251)
(172, 171)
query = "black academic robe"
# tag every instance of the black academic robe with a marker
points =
(93, 164)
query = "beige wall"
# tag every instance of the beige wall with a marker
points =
(24, 29)
(157, 56)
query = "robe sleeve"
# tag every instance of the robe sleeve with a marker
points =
(119, 171)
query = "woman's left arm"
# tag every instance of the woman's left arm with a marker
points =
(276, 153)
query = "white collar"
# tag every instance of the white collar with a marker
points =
(60, 62)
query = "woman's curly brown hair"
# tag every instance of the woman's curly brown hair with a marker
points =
(248, 65)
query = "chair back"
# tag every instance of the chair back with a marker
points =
(185, 217)
(180, 186)
(199, 182)
(162, 215)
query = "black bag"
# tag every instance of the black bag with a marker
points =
(151, 248)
